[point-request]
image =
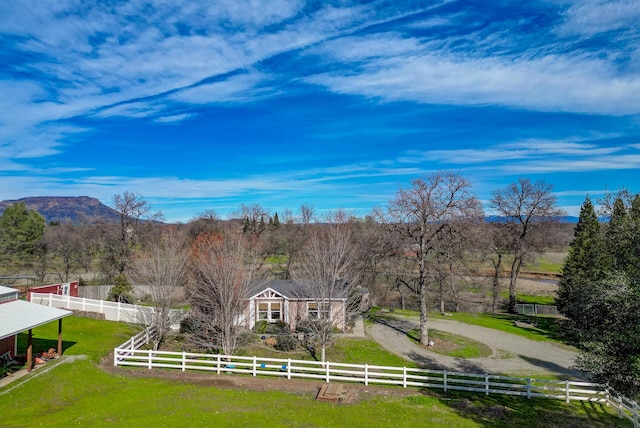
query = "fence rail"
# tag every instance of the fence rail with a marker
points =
(362, 373)
(113, 311)
(130, 354)
(534, 309)
(626, 407)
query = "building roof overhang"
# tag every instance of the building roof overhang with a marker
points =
(18, 316)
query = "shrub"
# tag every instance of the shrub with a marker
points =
(278, 328)
(260, 327)
(122, 290)
(286, 343)
(188, 325)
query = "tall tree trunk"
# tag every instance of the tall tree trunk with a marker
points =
(424, 330)
(513, 279)
(497, 264)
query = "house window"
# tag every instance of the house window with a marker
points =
(275, 311)
(315, 310)
(263, 311)
(269, 311)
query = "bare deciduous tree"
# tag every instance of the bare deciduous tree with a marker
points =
(254, 218)
(162, 270)
(327, 271)
(119, 243)
(527, 208)
(225, 266)
(69, 249)
(420, 214)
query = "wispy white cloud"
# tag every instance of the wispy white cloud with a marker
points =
(550, 83)
(174, 118)
(591, 17)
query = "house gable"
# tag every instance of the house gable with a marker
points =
(268, 293)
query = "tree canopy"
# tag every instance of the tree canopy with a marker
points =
(21, 230)
(600, 293)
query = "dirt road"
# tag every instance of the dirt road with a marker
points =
(513, 355)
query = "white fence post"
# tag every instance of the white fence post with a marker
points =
(404, 377)
(118, 311)
(218, 371)
(150, 358)
(327, 365)
(444, 380)
(288, 368)
(84, 303)
(566, 389)
(184, 360)
(366, 375)
(486, 384)
(529, 387)
(254, 366)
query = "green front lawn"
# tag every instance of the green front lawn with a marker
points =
(81, 336)
(79, 393)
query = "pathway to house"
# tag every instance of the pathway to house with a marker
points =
(513, 355)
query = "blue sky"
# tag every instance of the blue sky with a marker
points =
(207, 105)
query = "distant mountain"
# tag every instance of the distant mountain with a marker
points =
(60, 208)
(561, 219)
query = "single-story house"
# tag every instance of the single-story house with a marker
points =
(17, 316)
(291, 302)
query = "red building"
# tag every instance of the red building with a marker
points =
(17, 316)
(63, 289)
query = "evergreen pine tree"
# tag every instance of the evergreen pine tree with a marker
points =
(584, 266)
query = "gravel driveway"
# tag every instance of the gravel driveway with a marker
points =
(512, 354)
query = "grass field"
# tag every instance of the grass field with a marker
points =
(79, 393)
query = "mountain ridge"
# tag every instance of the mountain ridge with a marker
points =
(62, 209)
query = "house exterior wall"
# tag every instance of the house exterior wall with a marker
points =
(295, 311)
(62, 289)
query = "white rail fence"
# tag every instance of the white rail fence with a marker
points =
(535, 310)
(113, 311)
(362, 373)
(129, 354)
(626, 408)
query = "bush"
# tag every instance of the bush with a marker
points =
(122, 290)
(305, 326)
(286, 343)
(188, 325)
(261, 327)
(278, 328)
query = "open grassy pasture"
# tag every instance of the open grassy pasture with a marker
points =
(81, 393)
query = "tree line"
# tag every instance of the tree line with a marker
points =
(430, 243)
(600, 291)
